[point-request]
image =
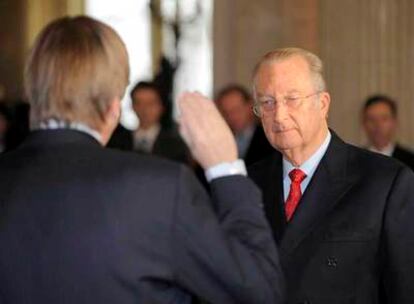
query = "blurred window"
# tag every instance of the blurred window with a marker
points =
(132, 20)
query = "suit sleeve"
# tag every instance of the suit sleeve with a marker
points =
(398, 275)
(223, 249)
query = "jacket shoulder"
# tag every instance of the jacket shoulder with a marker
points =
(260, 170)
(374, 164)
(140, 164)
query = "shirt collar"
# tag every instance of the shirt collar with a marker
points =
(151, 132)
(247, 132)
(310, 165)
(388, 150)
(54, 124)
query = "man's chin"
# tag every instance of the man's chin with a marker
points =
(284, 145)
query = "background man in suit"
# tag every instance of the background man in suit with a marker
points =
(380, 122)
(235, 104)
(84, 224)
(342, 216)
(151, 137)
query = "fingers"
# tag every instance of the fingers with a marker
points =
(204, 129)
(195, 110)
(183, 130)
(190, 120)
(189, 114)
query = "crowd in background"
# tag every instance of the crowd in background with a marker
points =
(158, 136)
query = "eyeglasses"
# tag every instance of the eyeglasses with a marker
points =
(268, 104)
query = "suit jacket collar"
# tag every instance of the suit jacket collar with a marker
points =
(398, 149)
(329, 183)
(59, 137)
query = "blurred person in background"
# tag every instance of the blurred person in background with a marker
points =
(151, 137)
(19, 129)
(380, 123)
(14, 123)
(236, 105)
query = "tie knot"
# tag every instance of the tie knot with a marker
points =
(297, 175)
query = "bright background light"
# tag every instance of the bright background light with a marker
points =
(132, 20)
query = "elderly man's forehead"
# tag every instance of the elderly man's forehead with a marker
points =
(285, 73)
(266, 93)
(295, 63)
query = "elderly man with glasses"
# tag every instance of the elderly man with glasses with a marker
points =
(341, 216)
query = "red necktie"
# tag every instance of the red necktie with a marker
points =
(295, 193)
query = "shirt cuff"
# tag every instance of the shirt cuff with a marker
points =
(226, 169)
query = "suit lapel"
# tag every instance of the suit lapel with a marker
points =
(397, 152)
(328, 185)
(273, 196)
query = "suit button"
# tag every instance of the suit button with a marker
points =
(332, 262)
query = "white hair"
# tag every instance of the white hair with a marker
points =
(314, 62)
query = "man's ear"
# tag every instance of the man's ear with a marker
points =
(325, 102)
(112, 116)
(114, 111)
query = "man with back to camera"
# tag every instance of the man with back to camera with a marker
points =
(380, 122)
(84, 224)
(342, 216)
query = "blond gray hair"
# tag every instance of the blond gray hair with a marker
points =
(76, 68)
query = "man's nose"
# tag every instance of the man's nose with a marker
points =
(280, 113)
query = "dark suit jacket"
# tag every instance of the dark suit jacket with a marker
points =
(168, 144)
(259, 147)
(404, 155)
(351, 240)
(121, 139)
(84, 224)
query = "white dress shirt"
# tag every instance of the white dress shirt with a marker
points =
(387, 151)
(55, 124)
(226, 169)
(243, 140)
(308, 167)
(144, 139)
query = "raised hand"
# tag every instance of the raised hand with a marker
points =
(205, 131)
